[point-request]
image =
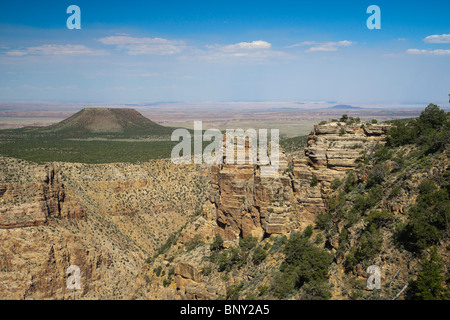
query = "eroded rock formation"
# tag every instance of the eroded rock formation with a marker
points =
(30, 202)
(244, 202)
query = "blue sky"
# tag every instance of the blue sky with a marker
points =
(142, 51)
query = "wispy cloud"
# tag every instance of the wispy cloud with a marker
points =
(301, 44)
(146, 46)
(315, 46)
(438, 38)
(331, 46)
(56, 50)
(436, 52)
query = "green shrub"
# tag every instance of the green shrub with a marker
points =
(314, 181)
(382, 153)
(233, 291)
(217, 244)
(166, 282)
(259, 255)
(395, 191)
(431, 131)
(206, 271)
(376, 176)
(278, 243)
(336, 184)
(224, 262)
(344, 118)
(319, 239)
(380, 219)
(316, 291)
(283, 284)
(307, 233)
(401, 134)
(431, 118)
(369, 245)
(248, 243)
(304, 264)
(427, 221)
(350, 182)
(427, 186)
(323, 220)
(157, 271)
(362, 203)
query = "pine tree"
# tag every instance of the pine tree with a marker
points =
(429, 283)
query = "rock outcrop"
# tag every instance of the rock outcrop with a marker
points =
(245, 202)
(30, 203)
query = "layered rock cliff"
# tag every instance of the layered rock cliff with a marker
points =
(30, 197)
(243, 203)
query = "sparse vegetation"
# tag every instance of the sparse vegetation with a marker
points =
(305, 264)
(314, 181)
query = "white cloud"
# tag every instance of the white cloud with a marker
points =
(315, 46)
(254, 50)
(330, 46)
(55, 49)
(150, 46)
(438, 38)
(436, 52)
(254, 45)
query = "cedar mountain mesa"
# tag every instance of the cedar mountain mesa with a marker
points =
(144, 230)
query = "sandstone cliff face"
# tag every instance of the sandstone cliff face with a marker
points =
(31, 200)
(243, 202)
(248, 203)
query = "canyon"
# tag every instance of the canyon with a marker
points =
(242, 202)
(150, 230)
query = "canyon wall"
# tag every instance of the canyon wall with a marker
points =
(244, 202)
(30, 195)
(106, 219)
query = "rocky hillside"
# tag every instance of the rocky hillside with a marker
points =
(105, 219)
(311, 230)
(358, 195)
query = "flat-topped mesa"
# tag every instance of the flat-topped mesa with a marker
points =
(106, 122)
